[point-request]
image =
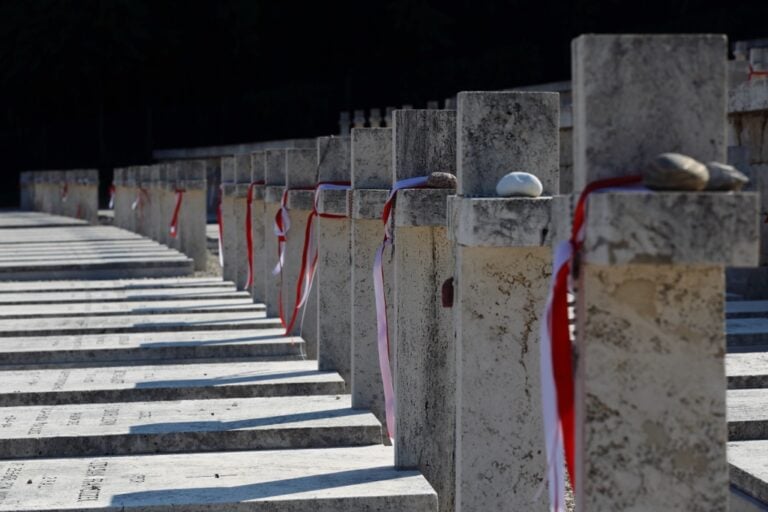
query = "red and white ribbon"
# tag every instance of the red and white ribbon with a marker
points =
(309, 252)
(249, 231)
(139, 201)
(64, 192)
(111, 197)
(220, 222)
(281, 227)
(382, 332)
(174, 227)
(556, 345)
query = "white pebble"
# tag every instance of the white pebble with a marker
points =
(519, 184)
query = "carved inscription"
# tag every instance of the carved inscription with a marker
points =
(8, 421)
(10, 476)
(110, 416)
(61, 380)
(47, 482)
(74, 419)
(118, 377)
(40, 421)
(93, 481)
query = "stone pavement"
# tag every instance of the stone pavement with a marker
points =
(747, 396)
(126, 393)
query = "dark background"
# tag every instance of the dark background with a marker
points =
(100, 83)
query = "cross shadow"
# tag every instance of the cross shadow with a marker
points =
(220, 426)
(224, 381)
(243, 339)
(261, 490)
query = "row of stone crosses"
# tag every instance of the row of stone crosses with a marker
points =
(435, 266)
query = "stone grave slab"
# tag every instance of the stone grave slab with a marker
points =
(321, 480)
(185, 426)
(113, 284)
(747, 370)
(16, 220)
(95, 349)
(135, 323)
(748, 464)
(78, 309)
(145, 295)
(747, 414)
(96, 268)
(165, 382)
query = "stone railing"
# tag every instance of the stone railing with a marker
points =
(73, 193)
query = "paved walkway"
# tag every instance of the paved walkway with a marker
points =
(119, 392)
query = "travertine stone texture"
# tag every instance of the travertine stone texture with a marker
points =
(186, 426)
(424, 141)
(371, 155)
(156, 219)
(300, 168)
(503, 132)
(500, 222)
(371, 167)
(500, 459)
(651, 436)
(259, 230)
(142, 383)
(422, 207)
(353, 479)
(672, 228)
(425, 366)
(242, 180)
(368, 203)
(274, 167)
(636, 96)
(502, 274)
(229, 228)
(333, 202)
(333, 279)
(123, 199)
(192, 216)
(333, 158)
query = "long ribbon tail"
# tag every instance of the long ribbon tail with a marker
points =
(220, 221)
(382, 335)
(111, 197)
(174, 227)
(249, 236)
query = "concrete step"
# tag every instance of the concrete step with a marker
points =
(128, 254)
(747, 414)
(746, 332)
(51, 326)
(136, 428)
(143, 295)
(125, 285)
(356, 479)
(141, 383)
(166, 307)
(748, 463)
(59, 235)
(747, 370)
(152, 347)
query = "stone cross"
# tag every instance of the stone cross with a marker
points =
(192, 216)
(650, 388)
(259, 230)
(230, 228)
(240, 191)
(300, 170)
(371, 167)
(274, 177)
(424, 141)
(502, 273)
(333, 265)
